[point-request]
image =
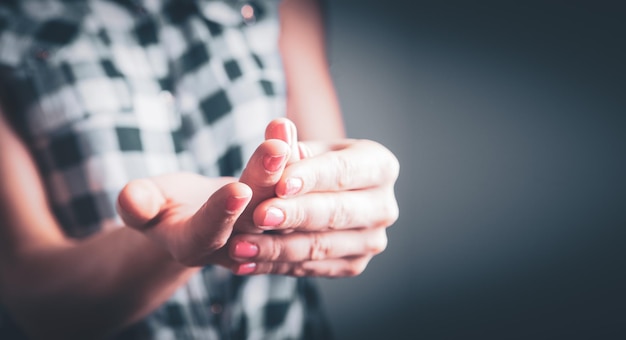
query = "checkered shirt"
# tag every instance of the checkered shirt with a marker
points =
(106, 91)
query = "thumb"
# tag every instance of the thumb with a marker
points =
(191, 238)
(139, 203)
(208, 230)
(216, 218)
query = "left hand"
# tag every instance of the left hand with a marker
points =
(331, 209)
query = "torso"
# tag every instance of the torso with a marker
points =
(107, 91)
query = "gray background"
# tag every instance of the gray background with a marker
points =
(509, 124)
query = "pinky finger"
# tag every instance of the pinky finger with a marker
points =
(334, 268)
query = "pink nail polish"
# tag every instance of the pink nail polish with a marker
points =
(245, 250)
(273, 217)
(293, 186)
(235, 203)
(246, 268)
(283, 133)
(273, 163)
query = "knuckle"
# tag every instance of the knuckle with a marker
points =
(299, 270)
(278, 250)
(378, 244)
(320, 247)
(275, 268)
(391, 213)
(339, 216)
(343, 172)
(298, 216)
(264, 268)
(355, 268)
(230, 220)
(388, 215)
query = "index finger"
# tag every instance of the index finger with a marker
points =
(359, 164)
(285, 130)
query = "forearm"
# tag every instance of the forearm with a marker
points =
(58, 288)
(312, 103)
(90, 288)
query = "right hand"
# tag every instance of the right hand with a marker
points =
(173, 210)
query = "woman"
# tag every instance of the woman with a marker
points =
(125, 125)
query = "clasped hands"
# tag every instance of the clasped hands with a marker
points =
(300, 209)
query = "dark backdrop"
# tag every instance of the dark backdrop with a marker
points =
(509, 123)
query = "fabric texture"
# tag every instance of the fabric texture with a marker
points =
(106, 91)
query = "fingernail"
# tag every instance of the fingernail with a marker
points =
(293, 186)
(236, 203)
(273, 163)
(273, 217)
(246, 268)
(284, 133)
(245, 250)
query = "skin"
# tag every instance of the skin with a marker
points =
(336, 222)
(332, 226)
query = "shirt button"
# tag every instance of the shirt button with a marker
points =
(248, 14)
(216, 308)
(42, 54)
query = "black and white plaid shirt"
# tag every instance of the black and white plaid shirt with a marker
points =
(105, 91)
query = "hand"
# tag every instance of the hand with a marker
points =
(336, 204)
(173, 211)
(262, 174)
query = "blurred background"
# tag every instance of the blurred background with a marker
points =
(509, 121)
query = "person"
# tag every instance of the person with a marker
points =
(127, 211)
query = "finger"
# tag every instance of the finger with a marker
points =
(142, 198)
(139, 202)
(370, 208)
(357, 165)
(285, 130)
(143, 206)
(265, 165)
(261, 174)
(303, 246)
(209, 228)
(304, 150)
(344, 267)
